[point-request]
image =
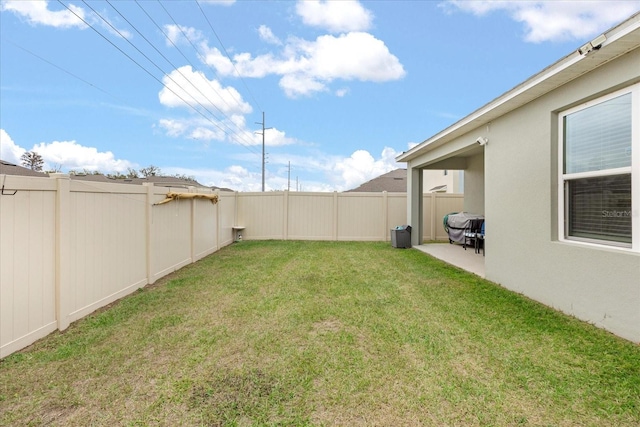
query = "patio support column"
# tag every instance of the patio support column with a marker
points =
(414, 203)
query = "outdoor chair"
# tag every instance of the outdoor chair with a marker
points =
(471, 232)
(480, 240)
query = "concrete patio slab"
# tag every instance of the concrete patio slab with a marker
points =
(456, 255)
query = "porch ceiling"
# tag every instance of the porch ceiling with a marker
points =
(456, 160)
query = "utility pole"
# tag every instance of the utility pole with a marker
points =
(263, 154)
(289, 177)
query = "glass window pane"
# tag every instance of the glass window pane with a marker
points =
(600, 208)
(598, 137)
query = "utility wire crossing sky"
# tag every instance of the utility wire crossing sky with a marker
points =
(345, 86)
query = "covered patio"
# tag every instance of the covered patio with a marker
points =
(456, 255)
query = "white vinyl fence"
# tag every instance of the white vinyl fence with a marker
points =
(337, 216)
(69, 247)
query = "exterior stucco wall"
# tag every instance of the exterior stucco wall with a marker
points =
(474, 185)
(524, 254)
(435, 178)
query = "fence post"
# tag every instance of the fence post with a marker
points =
(432, 214)
(235, 211)
(192, 219)
(285, 225)
(335, 215)
(63, 257)
(149, 233)
(218, 222)
(385, 215)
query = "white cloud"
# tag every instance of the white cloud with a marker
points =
(300, 85)
(276, 138)
(222, 111)
(335, 16)
(196, 128)
(9, 150)
(213, 57)
(307, 67)
(333, 173)
(267, 35)
(184, 87)
(233, 130)
(181, 34)
(72, 156)
(173, 127)
(68, 155)
(361, 167)
(555, 20)
(350, 56)
(38, 13)
(240, 179)
(205, 133)
(234, 177)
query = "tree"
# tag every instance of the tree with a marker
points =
(57, 168)
(116, 175)
(185, 177)
(150, 171)
(32, 160)
(132, 173)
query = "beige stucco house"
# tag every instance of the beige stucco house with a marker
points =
(433, 181)
(554, 166)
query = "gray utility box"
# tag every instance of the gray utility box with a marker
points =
(401, 236)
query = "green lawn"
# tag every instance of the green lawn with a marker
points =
(324, 334)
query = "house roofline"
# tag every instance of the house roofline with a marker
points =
(558, 74)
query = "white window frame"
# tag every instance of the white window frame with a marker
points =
(634, 170)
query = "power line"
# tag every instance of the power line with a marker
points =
(159, 68)
(235, 135)
(202, 59)
(66, 71)
(142, 67)
(180, 72)
(227, 54)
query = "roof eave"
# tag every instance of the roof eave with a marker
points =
(552, 77)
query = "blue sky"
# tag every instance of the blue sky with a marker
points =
(345, 86)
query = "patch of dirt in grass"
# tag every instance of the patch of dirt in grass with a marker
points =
(53, 415)
(235, 396)
(329, 325)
